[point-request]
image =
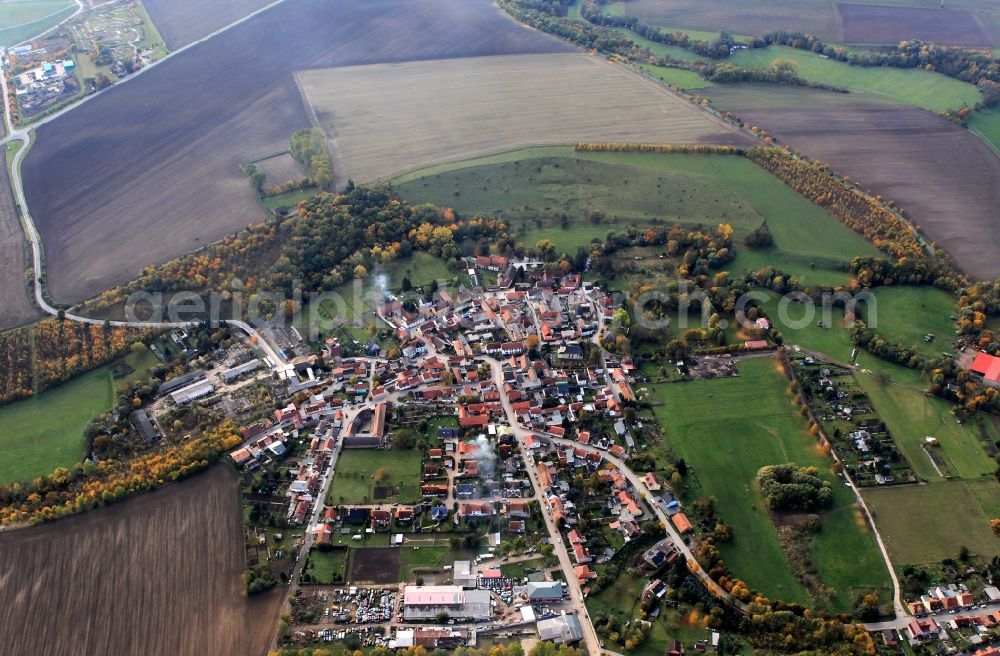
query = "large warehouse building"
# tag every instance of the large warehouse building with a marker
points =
(423, 603)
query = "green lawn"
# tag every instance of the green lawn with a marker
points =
(20, 21)
(323, 565)
(726, 430)
(353, 480)
(421, 268)
(927, 523)
(414, 560)
(537, 185)
(42, 433)
(911, 416)
(925, 89)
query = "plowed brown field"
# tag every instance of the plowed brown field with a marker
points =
(150, 169)
(158, 575)
(946, 179)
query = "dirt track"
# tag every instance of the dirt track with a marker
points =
(946, 179)
(150, 170)
(16, 307)
(156, 575)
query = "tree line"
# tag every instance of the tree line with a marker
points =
(93, 484)
(52, 351)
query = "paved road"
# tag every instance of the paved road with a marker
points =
(590, 638)
(24, 135)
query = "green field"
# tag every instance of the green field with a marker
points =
(42, 433)
(927, 523)
(289, 198)
(536, 185)
(911, 416)
(680, 77)
(906, 314)
(726, 430)
(661, 49)
(353, 481)
(925, 89)
(20, 21)
(986, 124)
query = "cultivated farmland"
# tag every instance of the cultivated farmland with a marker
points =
(944, 177)
(14, 299)
(386, 119)
(182, 21)
(737, 16)
(156, 575)
(880, 25)
(150, 169)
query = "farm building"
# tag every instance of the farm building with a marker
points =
(987, 366)
(230, 375)
(180, 381)
(562, 629)
(422, 603)
(192, 392)
(144, 426)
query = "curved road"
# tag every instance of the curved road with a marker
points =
(31, 231)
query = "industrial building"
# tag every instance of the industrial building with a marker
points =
(180, 381)
(235, 373)
(425, 603)
(192, 392)
(464, 574)
(544, 591)
(561, 629)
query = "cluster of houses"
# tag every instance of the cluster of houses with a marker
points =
(961, 615)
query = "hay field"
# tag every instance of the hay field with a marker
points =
(158, 575)
(150, 169)
(385, 119)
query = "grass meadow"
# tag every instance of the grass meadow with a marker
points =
(679, 77)
(911, 416)
(729, 428)
(927, 523)
(925, 89)
(20, 21)
(44, 432)
(354, 480)
(534, 187)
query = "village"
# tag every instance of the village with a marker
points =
(472, 486)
